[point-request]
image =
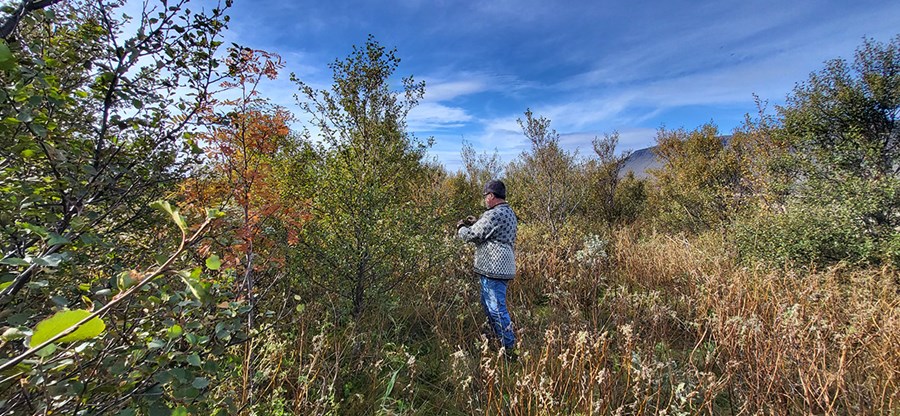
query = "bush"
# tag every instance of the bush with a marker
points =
(891, 250)
(695, 189)
(817, 235)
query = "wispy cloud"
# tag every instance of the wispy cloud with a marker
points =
(439, 91)
(590, 67)
(431, 116)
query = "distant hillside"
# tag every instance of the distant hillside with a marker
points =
(640, 161)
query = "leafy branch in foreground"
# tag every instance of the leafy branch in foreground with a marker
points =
(141, 282)
(97, 114)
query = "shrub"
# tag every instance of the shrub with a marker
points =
(806, 235)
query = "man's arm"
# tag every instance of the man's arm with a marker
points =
(478, 232)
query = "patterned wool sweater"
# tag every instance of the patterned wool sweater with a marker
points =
(494, 235)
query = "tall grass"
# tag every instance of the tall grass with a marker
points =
(623, 323)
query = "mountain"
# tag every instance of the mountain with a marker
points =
(643, 159)
(639, 162)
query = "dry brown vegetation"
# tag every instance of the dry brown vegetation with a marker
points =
(656, 325)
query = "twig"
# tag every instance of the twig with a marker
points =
(159, 271)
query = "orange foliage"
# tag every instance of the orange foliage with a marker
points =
(244, 132)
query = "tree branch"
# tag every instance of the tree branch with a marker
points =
(9, 25)
(185, 242)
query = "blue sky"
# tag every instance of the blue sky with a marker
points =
(591, 67)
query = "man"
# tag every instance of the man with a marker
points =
(494, 235)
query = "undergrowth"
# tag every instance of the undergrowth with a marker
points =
(622, 323)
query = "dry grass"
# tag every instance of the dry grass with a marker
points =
(650, 324)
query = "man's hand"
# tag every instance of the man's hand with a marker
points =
(467, 222)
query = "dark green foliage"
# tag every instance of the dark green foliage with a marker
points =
(695, 189)
(843, 119)
(95, 123)
(630, 199)
(611, 197)
(892, 249)
(844, 146)
(461, 198)
(805, 235)
(372, 225)
(92, 125)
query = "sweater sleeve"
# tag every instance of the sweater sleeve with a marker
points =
(479, 232)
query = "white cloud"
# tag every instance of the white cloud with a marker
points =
(589, 67)
(502, 134)
(438, 91)
(430, 116)
(588, 112)
(724, 62)
(636, 139)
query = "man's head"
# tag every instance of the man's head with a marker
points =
(494, 193)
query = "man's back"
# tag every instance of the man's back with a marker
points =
(494, 236)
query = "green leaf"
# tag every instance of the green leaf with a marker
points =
(390, 387)
(14, 261)
(12, 333)
(194, 360)
(39, 130)
(159, 409)
(5, 285)
(63, 320)
(167, 208)
(88, 302)
(186, 393)
(56, 239)
(156, 344)
(19, 318)
(37, 284)
(180, 411)
(213, 262)
(76, 387)
(37, 229)
(50, 260)
(127, 279)
(24, 116)
(183, 375)
(47, 351)
(6, 57)
(192, 279)
(90, 239)
(175, 331)
(200, 382)
(5, 53)
(160, 258)
(212, 213)
(59, 300)
(163, 377)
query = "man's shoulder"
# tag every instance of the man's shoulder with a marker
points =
(505, 211)
(502, 209)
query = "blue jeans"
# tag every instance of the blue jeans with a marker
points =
(493, 300)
